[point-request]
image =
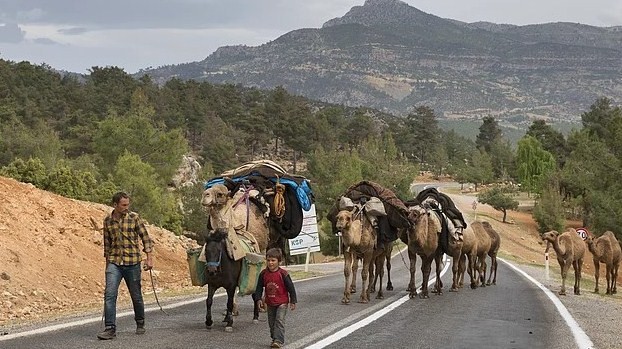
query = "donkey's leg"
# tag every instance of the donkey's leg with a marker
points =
(229, 317)
(208, 302)
(255, 310)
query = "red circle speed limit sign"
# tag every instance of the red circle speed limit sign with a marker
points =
(583, 233)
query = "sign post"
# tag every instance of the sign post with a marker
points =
(546, 265)
(308, 240)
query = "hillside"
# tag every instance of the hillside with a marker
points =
(51, 255)
(390, 56)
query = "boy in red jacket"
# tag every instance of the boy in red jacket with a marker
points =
(279, 292)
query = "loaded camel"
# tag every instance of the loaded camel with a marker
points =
(423, 238)
(235, 213)
(605, 249)
(359, 240)
(570, 249)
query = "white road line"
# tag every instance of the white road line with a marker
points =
(368, 320)
(580, 337)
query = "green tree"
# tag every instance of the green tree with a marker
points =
(549, 209)
(70, 183)
(31, 171)
(152, 201)
(480, 171)
(500, 198)
(552, 140)
(489, 133)
(422, 133)
(534, 164)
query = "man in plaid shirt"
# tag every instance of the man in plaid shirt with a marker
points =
(122, 231)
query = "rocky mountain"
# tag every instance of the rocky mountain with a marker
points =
(391, 56)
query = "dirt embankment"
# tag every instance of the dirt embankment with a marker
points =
(51, 255)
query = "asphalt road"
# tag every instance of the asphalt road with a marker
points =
(515, 313)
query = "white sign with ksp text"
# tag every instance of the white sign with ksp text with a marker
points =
(308, 239)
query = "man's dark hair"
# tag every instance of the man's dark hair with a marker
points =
(118, 196)
(274, 253)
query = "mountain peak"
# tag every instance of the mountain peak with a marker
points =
(380, 12)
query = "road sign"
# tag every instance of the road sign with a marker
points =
(308, 240)
(583, 233)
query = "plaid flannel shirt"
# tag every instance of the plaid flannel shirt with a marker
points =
(121, 237)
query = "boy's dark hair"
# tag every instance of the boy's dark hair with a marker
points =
(274, 253)
(118, 196)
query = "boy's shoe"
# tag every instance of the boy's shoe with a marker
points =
(276, 345)
(108, 333)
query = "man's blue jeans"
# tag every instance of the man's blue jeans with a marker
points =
(131, 275)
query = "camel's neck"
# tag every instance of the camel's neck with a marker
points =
(560, 249)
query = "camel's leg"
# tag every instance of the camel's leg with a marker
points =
(596, 274)
(577, 265)
(461, 270)
(412, 288)
(367, 259)
(208, 304)
(228, 320)
(373, 276)
(493, 269)
(473, 270)
(482, 270)
(347, 273)
(455, 270)
(564, 270)
(355, 270)
(438, 285)
(615, 279)
(609, 275)
(426, 267)
(389, 284)
(379, 266)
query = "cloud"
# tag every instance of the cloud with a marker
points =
(44, 41)
(179, 14)
(73, 31)
(11, 33)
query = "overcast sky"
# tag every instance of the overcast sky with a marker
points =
(75, 35)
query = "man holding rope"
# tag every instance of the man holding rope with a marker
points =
(122, 231)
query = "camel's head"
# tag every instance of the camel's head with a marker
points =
(416, 213)
(344, 219)
(550, 236)
(215, 196)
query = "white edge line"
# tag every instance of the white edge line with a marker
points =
(580, 337)
(368, 320)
